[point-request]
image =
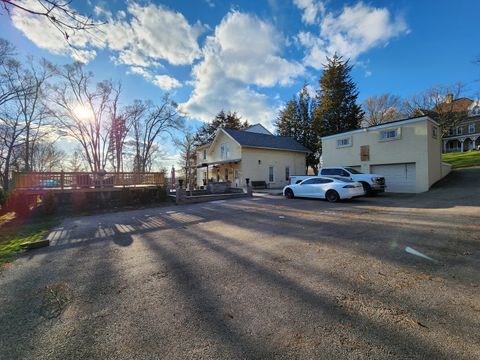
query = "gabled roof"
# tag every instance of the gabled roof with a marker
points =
(257, 140)
(457, 105)
(258, 128)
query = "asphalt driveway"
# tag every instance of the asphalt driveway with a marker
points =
(263, 277)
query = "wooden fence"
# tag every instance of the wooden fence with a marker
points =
(84, 180)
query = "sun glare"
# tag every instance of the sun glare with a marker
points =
(83, 113)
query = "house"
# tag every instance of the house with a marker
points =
(465, 135)
(254, 154)
(407, 152)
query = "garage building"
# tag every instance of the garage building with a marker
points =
(407, 152)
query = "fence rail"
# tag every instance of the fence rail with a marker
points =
(84, 180)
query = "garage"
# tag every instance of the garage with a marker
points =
(398, 177)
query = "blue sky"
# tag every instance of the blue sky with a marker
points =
(252, 56)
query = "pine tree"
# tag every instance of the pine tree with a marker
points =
(231, 120)
(336, 110)
(296, 121)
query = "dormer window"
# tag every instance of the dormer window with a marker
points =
(471, 128)
(476, 110)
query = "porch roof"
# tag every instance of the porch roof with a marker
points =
(219, 162)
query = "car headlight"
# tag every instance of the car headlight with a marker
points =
(376, 179)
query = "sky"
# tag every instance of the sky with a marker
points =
(253, 56)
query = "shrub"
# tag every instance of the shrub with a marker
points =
(20, 204)
(49, 204)
(126, 197)
(161, 194)
(3, 200)
(79, 201)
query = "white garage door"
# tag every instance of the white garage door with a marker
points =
(398, 177)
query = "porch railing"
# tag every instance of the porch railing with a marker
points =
(84, 180)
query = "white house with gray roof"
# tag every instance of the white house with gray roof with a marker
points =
(253, 153)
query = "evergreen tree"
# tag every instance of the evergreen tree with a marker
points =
(336, 110)
(231, 120)
(296, 121)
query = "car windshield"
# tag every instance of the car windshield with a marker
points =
(353, 171)
(338, 178)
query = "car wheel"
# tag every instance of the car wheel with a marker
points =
(332, 196)
(289, 194)
(367, 189)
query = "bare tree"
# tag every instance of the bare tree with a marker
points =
(11, 131)
(186, 146)
(8, 89)
(31, 104)
(149, 123)
(438, 102)
(46, 156)
(380, 109)
(83, 112)
(58, 12)
(76, 161)
(21, 112)
(121, 120)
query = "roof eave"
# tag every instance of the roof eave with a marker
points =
(306, 151)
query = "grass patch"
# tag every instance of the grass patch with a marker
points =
(13, 234)
(461, 160)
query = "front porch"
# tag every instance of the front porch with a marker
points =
(219, 171)
(461, 143)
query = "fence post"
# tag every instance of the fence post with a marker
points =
(62, 180)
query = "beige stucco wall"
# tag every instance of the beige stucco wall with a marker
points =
(434, 150)
(416, 145)
(279, 159)
(214, 154)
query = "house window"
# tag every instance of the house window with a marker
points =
(390, 134)
(205, 154)
(287, 173)
(459, 130)
(225, 151)
(270, 174)
(471, 128)
(228, 151)
(434, 132)
(344, 142)
(476, 110)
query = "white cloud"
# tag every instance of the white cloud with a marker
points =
(164, 82)
(244, 50)
(40, 31)
(312, 10)
(151, 33)
(154, 32)
(355, 30)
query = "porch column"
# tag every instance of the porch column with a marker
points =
(474, 142)
(445, 146)
(461, 144)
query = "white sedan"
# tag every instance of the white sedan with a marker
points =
(325, 187)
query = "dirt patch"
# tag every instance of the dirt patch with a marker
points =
(52, 300)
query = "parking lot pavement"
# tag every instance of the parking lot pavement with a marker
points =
(263, 277)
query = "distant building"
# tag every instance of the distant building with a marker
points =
(465, 135)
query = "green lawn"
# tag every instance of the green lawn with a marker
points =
(13, 235)
(461, 160)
